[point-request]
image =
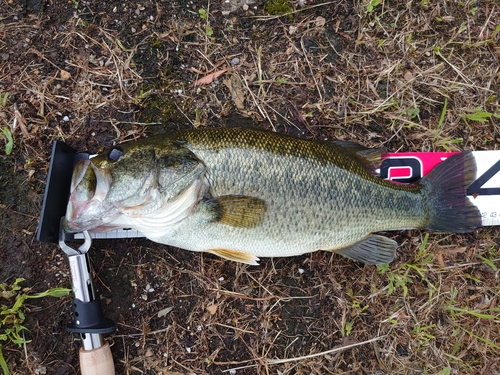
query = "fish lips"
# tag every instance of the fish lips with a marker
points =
(89, 188)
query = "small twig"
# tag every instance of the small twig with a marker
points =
(261, 110)
(310, 68)
(486, 23)
(42, 56)
(438, 53)
(286, 360)
(134, 122)
(19, 119)
(235, 328)
(267, 18)
(26, 351)
(17, 212)
(190, 371)
(118, 132)
(181, 111)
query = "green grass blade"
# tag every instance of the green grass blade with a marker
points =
(3, 364)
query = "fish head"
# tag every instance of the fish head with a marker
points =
(128, 181)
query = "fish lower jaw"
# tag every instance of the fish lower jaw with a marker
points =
(91, 215)
(77, 226)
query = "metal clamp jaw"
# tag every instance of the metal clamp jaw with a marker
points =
(87, 311)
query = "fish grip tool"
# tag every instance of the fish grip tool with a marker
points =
(89, 321)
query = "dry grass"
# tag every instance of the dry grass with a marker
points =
(405, 75)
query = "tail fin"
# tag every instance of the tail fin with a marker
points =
(445, 192)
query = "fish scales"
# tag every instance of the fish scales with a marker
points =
(246, 193)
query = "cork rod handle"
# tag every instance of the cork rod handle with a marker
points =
(97, 361)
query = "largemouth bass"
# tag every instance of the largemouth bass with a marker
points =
(245, 193)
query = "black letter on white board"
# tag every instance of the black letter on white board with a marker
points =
(476, 186)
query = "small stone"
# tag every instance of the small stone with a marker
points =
(66, 118)
(41, 370)
(235, 61)
(164, 312)
(408, 76)
(245, 6)
(65, 75)
(320, 21)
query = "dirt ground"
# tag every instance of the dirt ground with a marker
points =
(411, 76)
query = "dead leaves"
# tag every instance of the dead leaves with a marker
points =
(452, 251)
(237, 90)
(212, 309)
(234, 83)
(209, 78)
(64, 74)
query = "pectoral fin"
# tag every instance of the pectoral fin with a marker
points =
(373, 249)
(237, 256)
(238, 210)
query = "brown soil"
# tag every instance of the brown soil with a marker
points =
(97, 72)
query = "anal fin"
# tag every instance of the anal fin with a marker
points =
(235, 255)
(373, 249)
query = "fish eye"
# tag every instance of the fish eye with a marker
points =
(115, 153)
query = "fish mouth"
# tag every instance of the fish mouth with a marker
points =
(89, 187)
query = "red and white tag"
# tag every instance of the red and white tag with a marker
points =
(484, 192)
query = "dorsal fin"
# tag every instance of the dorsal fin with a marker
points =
(371, 157)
